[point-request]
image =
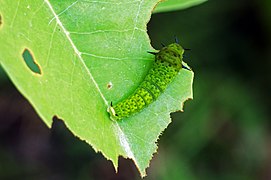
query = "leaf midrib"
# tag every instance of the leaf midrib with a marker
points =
(123, 140)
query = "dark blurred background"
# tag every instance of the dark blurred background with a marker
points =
(224, 133)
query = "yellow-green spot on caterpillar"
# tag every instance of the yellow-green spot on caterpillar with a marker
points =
(167, 64)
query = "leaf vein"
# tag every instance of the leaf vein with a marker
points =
(15, 14)
(67, 34)
(106, 31)
(136, 18)
(115, 3)
(64, 11)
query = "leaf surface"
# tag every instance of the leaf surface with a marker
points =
(173, 5)
(89, 53)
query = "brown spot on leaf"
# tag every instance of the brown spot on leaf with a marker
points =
(109, 85)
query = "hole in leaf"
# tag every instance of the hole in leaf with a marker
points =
(30, 62)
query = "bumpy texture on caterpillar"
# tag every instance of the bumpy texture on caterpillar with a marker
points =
(167, 64)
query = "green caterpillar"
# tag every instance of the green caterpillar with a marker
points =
(167, 64)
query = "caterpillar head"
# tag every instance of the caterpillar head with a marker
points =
(171, 54)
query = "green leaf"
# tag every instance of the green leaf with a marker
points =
(173, 5)
(86, 54)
